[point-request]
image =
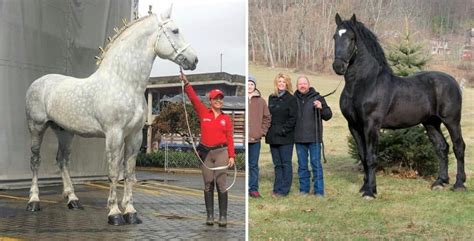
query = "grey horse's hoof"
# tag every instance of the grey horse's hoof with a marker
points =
(75, 204)
(132, 218)
(33, 206)
(116, 220)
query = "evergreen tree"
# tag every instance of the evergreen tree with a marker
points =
(407, 57)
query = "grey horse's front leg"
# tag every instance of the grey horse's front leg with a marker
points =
(114, 149)
(132, 146)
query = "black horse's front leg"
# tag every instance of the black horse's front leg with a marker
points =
(360, 144)
(371, 135)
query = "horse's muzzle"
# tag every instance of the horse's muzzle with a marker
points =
(339, 66)
(186, 64)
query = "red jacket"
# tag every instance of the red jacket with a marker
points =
(214, 131)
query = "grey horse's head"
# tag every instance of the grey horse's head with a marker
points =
(171, 45)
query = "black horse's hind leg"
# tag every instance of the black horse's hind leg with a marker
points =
(359, 141)
(458, 146)
(442, 148)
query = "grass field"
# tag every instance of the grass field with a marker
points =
(404, 208)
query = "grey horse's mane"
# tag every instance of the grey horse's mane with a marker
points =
(118, 32)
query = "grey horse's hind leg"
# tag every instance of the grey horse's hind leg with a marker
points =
(132, 147)
(114, 151)
(37, 131)
(62, 158)
(442, 148)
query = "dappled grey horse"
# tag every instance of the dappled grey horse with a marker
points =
(109, 104)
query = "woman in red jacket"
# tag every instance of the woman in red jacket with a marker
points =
(216, 148)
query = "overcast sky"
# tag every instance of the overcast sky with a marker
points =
(211, 27)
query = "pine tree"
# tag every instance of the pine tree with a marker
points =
(407, 57)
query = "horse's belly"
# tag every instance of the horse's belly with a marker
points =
(75, 119)
(84, 127)
(405, 117)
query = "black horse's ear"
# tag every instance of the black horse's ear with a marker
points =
(338, 19)
(353, 18)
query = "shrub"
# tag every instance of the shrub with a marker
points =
(179, 159)
(406, 148)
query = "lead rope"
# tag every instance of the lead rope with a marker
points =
(319, 122)
(320, 127)
(194, 146)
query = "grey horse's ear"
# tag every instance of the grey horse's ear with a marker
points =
(167, 13)
(353, 18)
(338, 19)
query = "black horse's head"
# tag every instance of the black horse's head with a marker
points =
(345, 46)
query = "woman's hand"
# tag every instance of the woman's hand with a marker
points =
(183, 78)
(231, 162)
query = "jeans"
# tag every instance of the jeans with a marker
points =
(254, 153)
(314, 150)
(282, 155)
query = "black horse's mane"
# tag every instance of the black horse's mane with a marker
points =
(370, 41)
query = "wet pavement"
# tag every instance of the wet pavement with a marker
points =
(171, 207)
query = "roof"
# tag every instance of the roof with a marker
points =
(205, 77)
(230, 102)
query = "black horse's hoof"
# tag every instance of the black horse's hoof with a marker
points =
(458, 188)
(116, 220)
(368, 196)
(33, 206)
(75, 204)
(439, 184)
(437, 187)
(132, 218)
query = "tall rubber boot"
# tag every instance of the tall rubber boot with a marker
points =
(222, 208)
(209, 200)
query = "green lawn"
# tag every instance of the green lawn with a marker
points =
(404, 208)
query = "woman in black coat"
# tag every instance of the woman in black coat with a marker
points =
(283, 109)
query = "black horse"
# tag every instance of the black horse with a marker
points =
(373, 98)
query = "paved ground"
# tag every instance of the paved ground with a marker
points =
(171, 207)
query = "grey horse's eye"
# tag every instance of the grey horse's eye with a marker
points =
(175, 31)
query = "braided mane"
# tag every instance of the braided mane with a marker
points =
(118, 32)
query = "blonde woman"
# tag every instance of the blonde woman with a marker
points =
(283, 109)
